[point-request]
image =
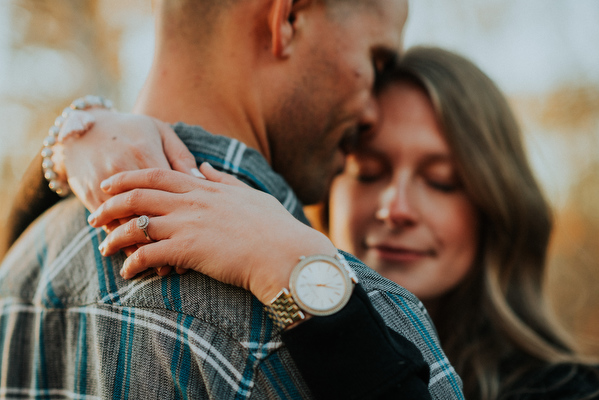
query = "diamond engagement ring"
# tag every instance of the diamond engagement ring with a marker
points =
(142, 224)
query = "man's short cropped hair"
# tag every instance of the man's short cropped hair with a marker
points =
(195, 19)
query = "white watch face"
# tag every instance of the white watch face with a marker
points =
(321, 287)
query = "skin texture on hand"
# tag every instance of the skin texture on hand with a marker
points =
(115, 143)
(210, 226)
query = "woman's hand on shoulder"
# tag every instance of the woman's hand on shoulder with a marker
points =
(217, 226)
(117, 142)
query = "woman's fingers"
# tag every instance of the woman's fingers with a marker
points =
(150, 178)
(214, 175)
(162, 271)
(128, 237)
(178, 155)
(134, 202)
(130, 234)
(152, 255)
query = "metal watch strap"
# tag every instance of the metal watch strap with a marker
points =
(283, 310)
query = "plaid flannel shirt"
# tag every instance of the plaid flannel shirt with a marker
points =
(71, 327)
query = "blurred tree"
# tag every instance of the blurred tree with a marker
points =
(574, 272)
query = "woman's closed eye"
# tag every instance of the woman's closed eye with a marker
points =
(446, 187)
(442, 177)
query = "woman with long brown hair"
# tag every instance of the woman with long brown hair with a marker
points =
(446, 171)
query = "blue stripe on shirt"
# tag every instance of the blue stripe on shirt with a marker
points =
(176, 357)
(99, 259)
(279, 378)
(256, 326)
(121, 381)
(51, 300)
(186, 360)
(104, 266)
(109, 271)
(80, 383)
(175, 282)
(129, 352)
(41, 376)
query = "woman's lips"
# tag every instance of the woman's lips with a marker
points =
(397, 254)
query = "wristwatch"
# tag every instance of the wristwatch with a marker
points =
(319, 285)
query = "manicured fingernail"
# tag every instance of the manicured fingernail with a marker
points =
(196, 172)
(92, 217)
(106, 183)
(206, 164)
(123, 272)
(102, 246)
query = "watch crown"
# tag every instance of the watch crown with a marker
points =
(350, 271)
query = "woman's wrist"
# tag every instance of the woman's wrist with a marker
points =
(272, 274)
(72, 121)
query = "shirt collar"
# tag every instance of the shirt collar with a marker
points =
(246, 164)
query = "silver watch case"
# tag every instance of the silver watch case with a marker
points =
(337, 262)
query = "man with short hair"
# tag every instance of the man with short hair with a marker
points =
(287, 83)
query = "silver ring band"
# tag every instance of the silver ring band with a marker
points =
(142, 223)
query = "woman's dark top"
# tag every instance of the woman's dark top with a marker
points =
(352, 355)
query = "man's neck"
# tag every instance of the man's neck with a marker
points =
(217, 105)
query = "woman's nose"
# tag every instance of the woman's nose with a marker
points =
(397, 207)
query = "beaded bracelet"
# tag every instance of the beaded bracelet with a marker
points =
(61, 187)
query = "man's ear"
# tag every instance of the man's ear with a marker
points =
(280, 22)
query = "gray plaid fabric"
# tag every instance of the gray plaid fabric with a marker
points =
(71, 327)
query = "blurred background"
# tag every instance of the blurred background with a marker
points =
(542, 54)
